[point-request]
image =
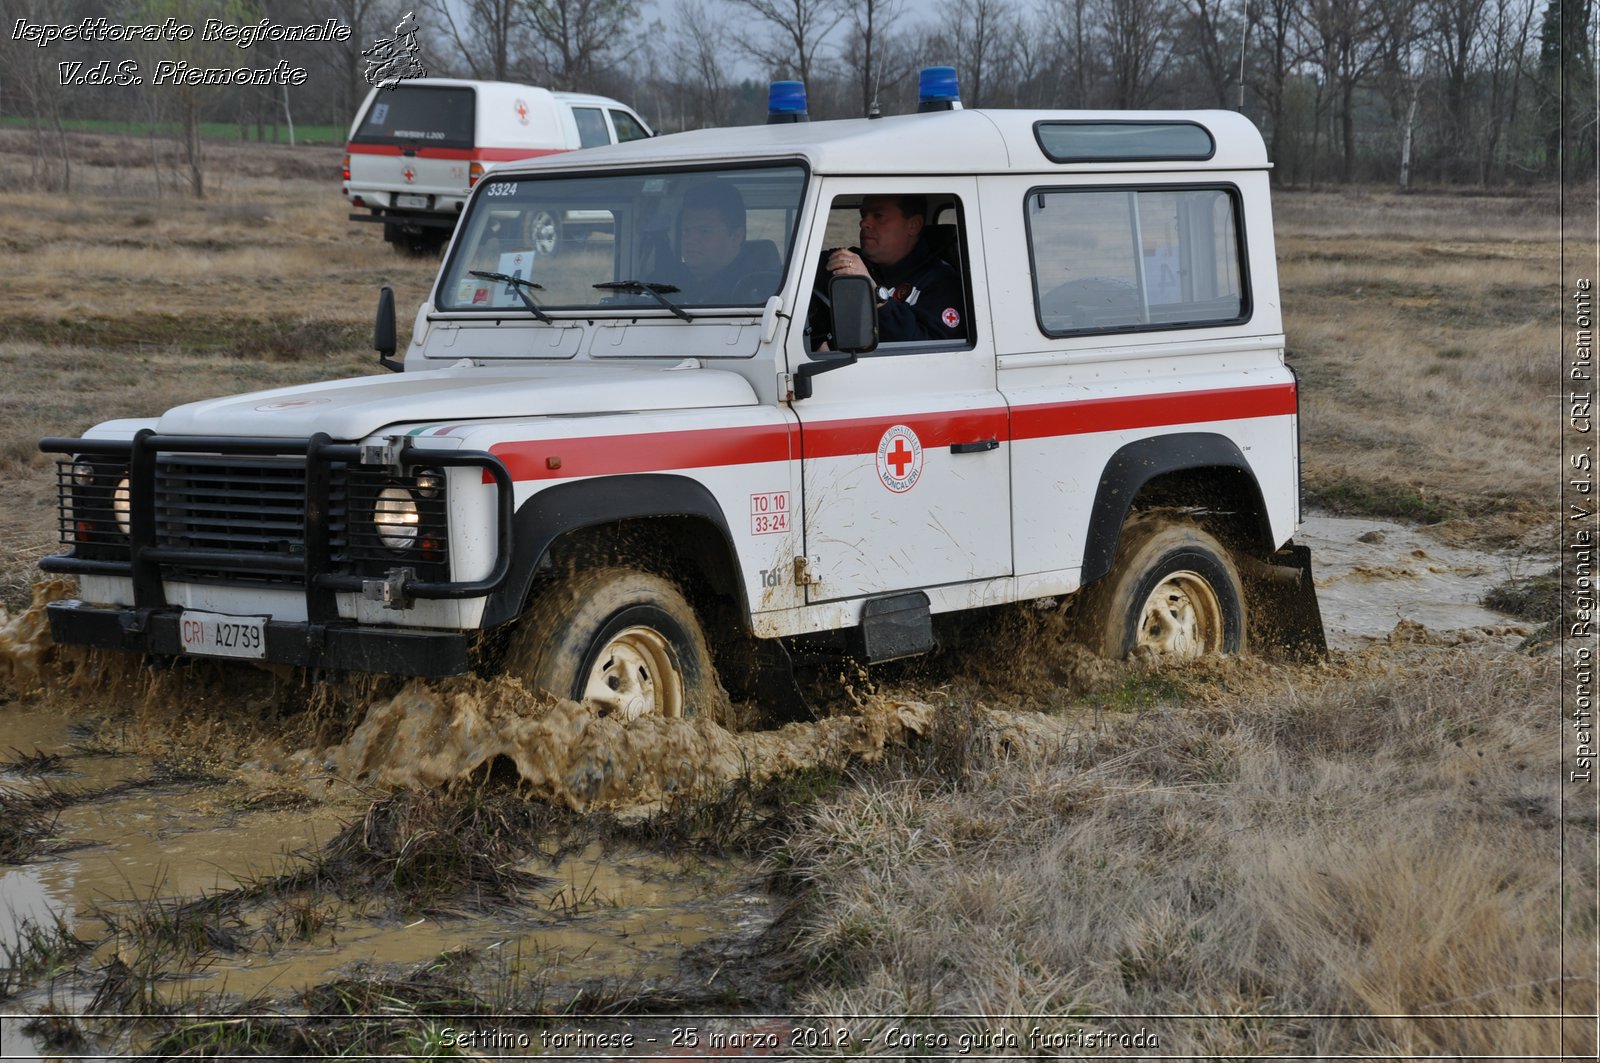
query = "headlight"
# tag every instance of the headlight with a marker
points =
(429, 483)
(82, 473)
(120, 507)
(395, 516)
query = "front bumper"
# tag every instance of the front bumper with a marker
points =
(344, 647)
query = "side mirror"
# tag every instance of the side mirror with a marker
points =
(853, 320)
(855, 314)
(383, 331)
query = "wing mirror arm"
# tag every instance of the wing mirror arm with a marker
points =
(383, 331)
(853, 317)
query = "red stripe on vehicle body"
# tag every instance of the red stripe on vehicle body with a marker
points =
(645, 452)
(1150, 411)
(705, 448)
(461, 154)
(837, 439)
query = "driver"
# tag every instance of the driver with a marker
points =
(919, 293)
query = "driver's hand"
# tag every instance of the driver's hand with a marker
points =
(845, 262)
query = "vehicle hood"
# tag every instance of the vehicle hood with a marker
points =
(353, 409)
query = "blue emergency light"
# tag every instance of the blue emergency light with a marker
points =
(786, 102)
(938, 89)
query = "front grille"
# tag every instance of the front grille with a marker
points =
(252, 510)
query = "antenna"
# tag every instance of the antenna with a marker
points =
(877, 80)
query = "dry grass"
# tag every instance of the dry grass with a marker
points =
(1361, 845)
(1423, 328)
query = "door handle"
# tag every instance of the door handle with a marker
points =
(976, 447)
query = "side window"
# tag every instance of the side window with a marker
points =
(592, 130)
(913, 249)
(1136, 259)
(628, 127)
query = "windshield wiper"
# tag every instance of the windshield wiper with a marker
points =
(518, 285)
(650, 288)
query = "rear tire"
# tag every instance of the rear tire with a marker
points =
(623, 642)
(1173, 593)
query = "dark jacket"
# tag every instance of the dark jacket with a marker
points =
(925, 302)
(751, 277)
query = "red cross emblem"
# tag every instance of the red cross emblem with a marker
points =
(522, 111)
(899, 459)
(951, 317)
(409, 174)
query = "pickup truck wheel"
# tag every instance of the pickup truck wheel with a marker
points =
(625, 643)
(1172, 593)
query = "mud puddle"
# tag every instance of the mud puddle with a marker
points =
(1373, 575)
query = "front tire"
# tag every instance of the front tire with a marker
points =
(1173, 593)
(624, 643)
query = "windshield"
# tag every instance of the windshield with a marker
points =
(628, 241)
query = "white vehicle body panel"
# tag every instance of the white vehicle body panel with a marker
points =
(822, 480)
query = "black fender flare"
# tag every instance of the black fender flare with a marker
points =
(1141, 461)
(579, 504)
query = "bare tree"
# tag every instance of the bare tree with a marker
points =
(485, 33)
(1212, 27)
(574, 37)
(789, 34)
(1510, 25)
(864, 53)
(697, 64)
(973, 36)
(1344, 41)
(1073, 32)
(1137, 42)
(1454, 36)
(1277, 36)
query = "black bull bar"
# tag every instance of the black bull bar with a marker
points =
(324, 640)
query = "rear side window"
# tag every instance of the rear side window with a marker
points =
(1128, 260)
(1123, 141)
(420, 116)
(628, 127)
(592, 130)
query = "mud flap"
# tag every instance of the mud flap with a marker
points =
(1285, 619)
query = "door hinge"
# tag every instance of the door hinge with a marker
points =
(805, 572)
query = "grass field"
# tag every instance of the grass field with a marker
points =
(307, 134)
(1253, 844)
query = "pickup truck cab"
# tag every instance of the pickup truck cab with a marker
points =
(633, 481)
(416, 149)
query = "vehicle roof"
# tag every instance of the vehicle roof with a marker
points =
(937, 142)
(517, 86)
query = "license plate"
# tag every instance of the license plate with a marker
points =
(411, 201)
(220, 635)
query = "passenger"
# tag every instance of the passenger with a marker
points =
(719, 265)
(919, 293)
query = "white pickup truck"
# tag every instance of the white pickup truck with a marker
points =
(417, 148)
(632, 481)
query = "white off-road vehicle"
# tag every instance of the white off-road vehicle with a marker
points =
(630, 487)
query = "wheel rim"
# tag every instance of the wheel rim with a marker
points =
(545, 233)
(633, 676)
(1182, 617)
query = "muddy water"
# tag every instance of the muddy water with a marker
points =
(617, 913)
(1373, 575)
